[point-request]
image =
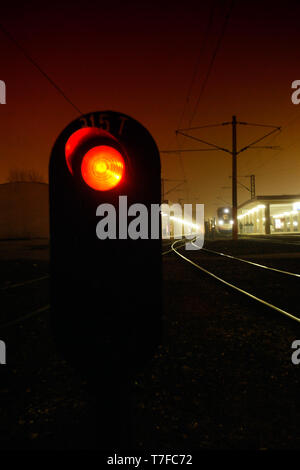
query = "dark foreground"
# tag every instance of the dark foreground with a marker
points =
(221, 379)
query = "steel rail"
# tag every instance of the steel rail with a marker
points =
(39, 310)
(184, 242)
(25, 317)
(24, 283)
(238, 289)
(251, 262)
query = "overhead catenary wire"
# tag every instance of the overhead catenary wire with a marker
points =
(192, 82)
(274, 156)
(38, 67)
(198, 62)
(212, 61)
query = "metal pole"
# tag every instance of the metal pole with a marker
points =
(234, 181)
(163, 189)
(252, 186)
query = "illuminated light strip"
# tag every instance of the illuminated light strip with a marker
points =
(284, 214)
(188, 224)
(264, 302)
(251, 211)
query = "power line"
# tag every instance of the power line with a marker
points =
(181, 160)
(272, 157)
(234, 152)
(205, 127)
(212, 61)
(197, 65)
(196, 68)
(247, 162)
(38, 67)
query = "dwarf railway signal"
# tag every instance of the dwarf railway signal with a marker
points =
(105, 284)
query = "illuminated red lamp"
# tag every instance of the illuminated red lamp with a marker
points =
(76, 139)
(102, 167)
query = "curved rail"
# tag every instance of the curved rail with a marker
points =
(238, 289)
(181, 240)
(251, 262)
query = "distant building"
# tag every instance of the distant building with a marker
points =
(24, 210)
(270, 215)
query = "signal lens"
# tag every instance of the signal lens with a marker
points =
(78, 138)
(102, 167)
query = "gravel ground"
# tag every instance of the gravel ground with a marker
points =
(221, 379)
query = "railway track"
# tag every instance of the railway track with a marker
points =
(168, 249)
(24, 283)
(46, 307)
(251, 262)
(27, 315)
(172, 247)
(234, 287)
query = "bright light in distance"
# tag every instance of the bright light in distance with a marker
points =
(284, 214)
(221, 222)
(226, 211)
(295, 223)
(231, 222)
(102, 167)
(296, 206)
(278, 223)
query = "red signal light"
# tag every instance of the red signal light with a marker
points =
(102, 167)
(76, 139)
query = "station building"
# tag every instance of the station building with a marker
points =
(270, 215)
(24, 209)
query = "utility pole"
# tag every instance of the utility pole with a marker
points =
(234, 181)
(234, 153)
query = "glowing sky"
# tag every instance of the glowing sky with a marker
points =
(139, 58)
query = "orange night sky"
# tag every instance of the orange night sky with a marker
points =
(139, 58)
